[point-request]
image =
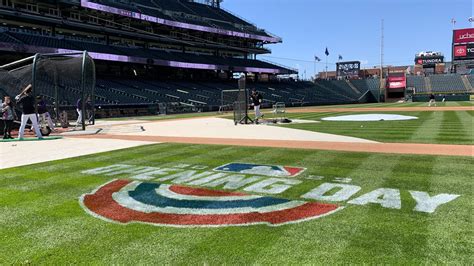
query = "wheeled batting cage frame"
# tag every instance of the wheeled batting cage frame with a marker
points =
(228, 97)
(63, 80)
(241, 104)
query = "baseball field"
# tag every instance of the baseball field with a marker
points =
(318, 192)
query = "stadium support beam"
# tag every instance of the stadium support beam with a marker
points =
(33, 74)
(83, 87)
(17, 62)
(381, 61)
(92, 95)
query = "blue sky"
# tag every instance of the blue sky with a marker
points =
(352, 28)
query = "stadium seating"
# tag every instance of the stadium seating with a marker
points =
(39, 40)
(418, 83)
(447, 83)
(8, 38)
(91, 46)
(189, 12)
(203, 95)
(208, 94)
(373, 85)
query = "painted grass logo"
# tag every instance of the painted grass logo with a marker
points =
(260, 169)
(167, 196)
(126, 201)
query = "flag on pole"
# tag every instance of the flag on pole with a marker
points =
(326, 52)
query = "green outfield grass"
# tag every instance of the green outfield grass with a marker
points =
(407, 104)
(447, 127)
(41, 221)
(366, 105)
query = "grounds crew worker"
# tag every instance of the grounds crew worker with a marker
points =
(27, 103)
(257, 100)
(432, 100)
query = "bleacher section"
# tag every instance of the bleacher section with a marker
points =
(61, 42)
(207, 95)
(448, 83)
(418, 83)
(188, 12)
(373, 85)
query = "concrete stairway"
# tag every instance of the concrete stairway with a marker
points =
(354, 88)
(466, 82)
(428, 84)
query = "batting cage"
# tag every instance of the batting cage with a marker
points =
(241, 104)
(63, 85)
(228, 98)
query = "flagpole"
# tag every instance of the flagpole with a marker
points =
(326, 66)
(382, 86)
(315, 68)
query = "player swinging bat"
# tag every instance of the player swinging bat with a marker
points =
(27, 102)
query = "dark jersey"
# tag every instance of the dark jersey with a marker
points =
(27, 104)
(432, 97)
(42, 107)
(79, 104)
(256, 99)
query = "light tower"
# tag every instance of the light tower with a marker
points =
(382, 84)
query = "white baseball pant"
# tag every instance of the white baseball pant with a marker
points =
(34, 121)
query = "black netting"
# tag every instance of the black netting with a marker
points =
(241, 103)
(61, 80)
(12, 82)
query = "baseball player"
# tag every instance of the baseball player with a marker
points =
(43, 112)
(27, 102)
(257, 100)
(432, 100)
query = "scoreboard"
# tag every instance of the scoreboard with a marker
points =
(349, 69)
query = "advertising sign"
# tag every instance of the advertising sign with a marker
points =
(463, 35)
(429, 61)
(463, 51)
(397, 82)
